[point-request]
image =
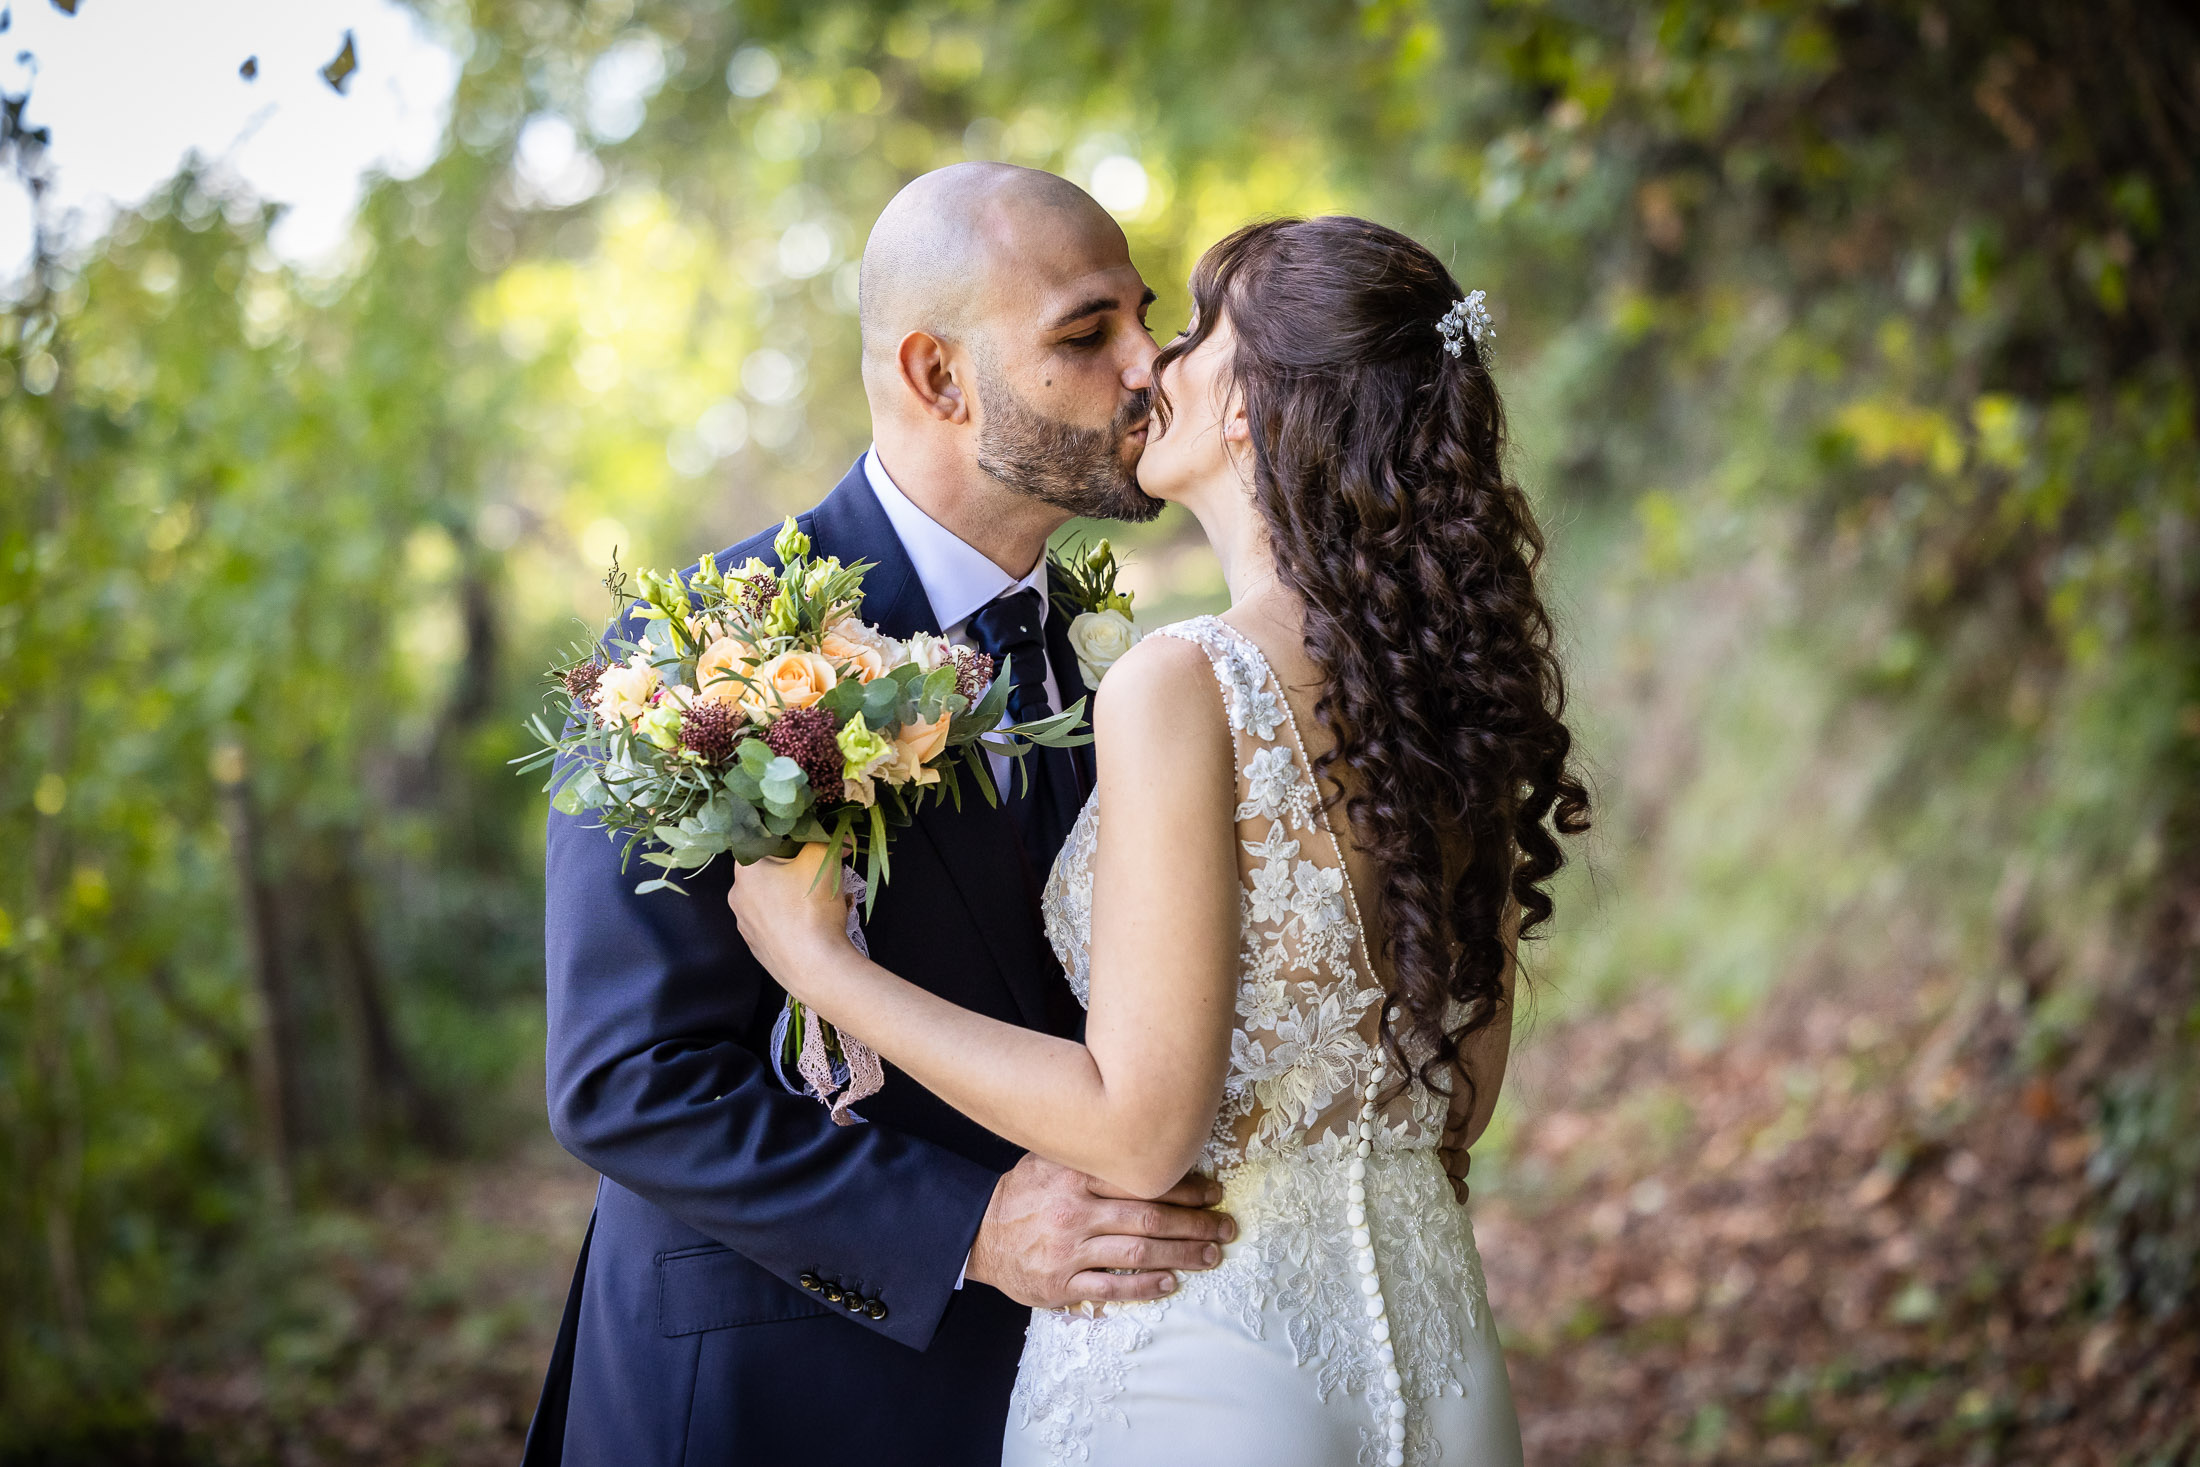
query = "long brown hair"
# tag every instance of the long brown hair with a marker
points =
(1378, 467)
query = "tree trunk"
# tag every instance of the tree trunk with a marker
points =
(275, 1039)
(391, 1101)
(61, 1113)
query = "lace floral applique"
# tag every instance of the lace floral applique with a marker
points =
(1254, 709)
(1075, 1364)
(1066, 905)
(1271, 779)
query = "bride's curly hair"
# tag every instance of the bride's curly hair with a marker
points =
(1378, 466)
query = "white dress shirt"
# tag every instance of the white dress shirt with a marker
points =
(957, 578)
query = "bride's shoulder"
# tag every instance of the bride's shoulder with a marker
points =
(1166, 754)
(1163, 686)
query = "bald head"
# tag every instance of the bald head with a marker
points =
(1006, 356)
(939, 248)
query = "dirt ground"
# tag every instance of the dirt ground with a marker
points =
(1837, 1237)
(413, 1332)
(1847, 1236)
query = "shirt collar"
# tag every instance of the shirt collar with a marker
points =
(957, 578)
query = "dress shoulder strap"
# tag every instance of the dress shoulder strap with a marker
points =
(1249, 695)
(1284, 825)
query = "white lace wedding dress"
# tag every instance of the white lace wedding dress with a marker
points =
(1348, 1323)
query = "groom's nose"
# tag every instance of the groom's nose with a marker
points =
(1138, 372)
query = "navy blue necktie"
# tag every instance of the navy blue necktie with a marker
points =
(1010, 630)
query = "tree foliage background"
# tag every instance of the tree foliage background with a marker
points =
(1851, 348)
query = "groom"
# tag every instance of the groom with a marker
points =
(760, 1287)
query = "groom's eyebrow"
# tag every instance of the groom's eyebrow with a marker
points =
(1094, 307)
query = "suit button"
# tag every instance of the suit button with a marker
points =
(809, 1281)
(855, 1302)
(832, 1294)
(875, 1309)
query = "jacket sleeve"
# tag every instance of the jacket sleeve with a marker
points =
(649, 1084)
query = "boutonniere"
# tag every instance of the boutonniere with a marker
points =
(1101, 627)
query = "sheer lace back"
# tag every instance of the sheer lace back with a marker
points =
(1308, 1003)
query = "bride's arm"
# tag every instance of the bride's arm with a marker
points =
(1133, 1104)
(1483, 1059)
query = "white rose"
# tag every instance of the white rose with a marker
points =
(1099, 638)
(926, 651)
(626, 690)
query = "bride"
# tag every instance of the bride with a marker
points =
(1330, 814)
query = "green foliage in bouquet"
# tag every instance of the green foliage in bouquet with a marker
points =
(756, 712)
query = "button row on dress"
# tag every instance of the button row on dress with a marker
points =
(1371, 1285)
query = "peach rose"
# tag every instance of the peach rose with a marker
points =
(624, 692)
(868, 661)
(720, 668)
(856, 629)
(790, 680)
(914, 744)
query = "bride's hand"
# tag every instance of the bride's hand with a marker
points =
(790, 913)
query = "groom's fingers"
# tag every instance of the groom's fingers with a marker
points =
(1160, 1220)
(1099, 1288)
(1149, 1253)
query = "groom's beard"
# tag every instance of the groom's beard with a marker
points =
(1076, 469)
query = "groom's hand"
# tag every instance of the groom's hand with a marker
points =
(1050, 1235)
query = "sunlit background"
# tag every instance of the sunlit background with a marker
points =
(1850, 350)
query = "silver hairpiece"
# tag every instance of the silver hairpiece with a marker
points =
(1466, 319)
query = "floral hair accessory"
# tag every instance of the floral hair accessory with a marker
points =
(1467, 319)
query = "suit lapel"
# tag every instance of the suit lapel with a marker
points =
(850, 524)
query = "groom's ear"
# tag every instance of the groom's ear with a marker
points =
(932, 378)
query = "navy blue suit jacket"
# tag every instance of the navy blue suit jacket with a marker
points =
(690, 1336)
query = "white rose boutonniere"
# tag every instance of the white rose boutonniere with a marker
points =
(1098, 638)
(1101, 627)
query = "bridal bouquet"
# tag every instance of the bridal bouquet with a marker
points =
(757, 713)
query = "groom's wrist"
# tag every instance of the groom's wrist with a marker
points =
(977, 1263)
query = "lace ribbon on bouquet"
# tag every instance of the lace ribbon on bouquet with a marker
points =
(861, 1075)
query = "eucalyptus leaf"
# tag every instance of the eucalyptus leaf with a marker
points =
(881, 701)
(981, 772)
(784, 786)
(843, 699)
(747, 839)
(986, 714)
